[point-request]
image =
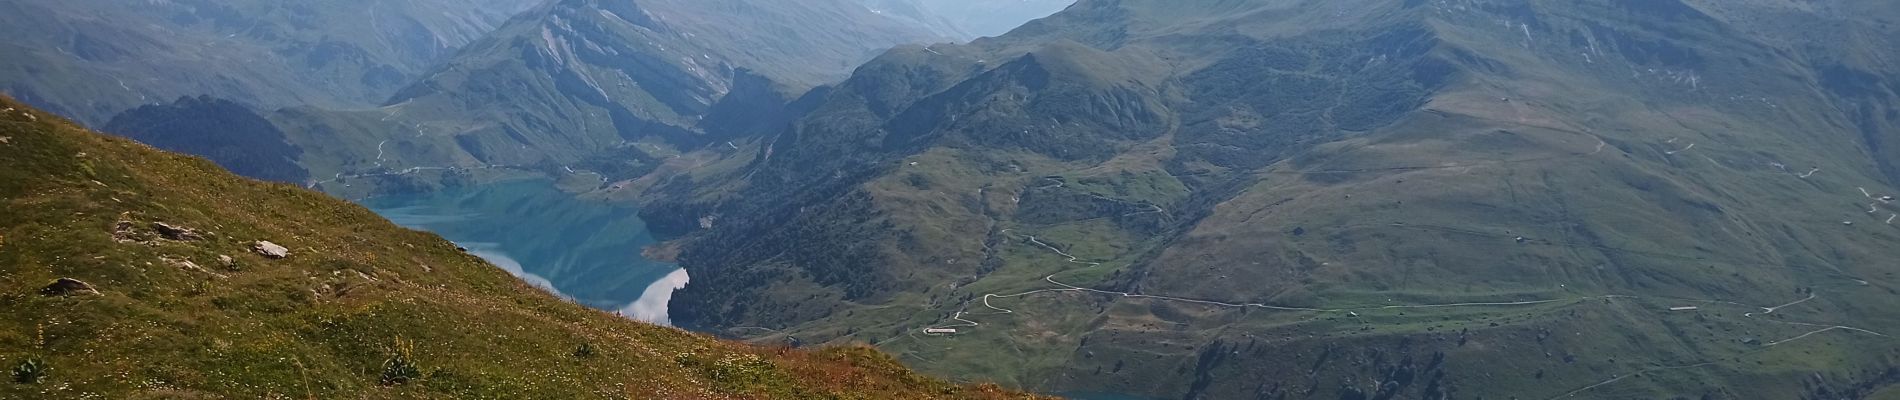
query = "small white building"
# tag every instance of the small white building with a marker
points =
(1685, 308)
(940, 331)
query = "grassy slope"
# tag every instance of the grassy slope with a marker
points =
(321, 323)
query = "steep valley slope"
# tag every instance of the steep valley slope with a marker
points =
(611, 89)
(91, 59)
(222, 131)
(1338, 199)
(130, 273)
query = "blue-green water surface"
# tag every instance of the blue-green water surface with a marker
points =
(586, 251)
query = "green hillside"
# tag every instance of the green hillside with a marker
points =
(168, 299)
(1319, 199)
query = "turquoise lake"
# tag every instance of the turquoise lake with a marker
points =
(585, 251)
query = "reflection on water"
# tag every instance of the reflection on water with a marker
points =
(487, 251)
(588, 252)
(652, 304)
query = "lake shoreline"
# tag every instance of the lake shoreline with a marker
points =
(587, 251)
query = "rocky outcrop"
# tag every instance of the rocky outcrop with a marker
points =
(68, 287)
(270, 250)
(122, 232)
(175, 232)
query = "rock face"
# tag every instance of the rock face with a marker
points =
(68, 287)
(174, 232)
(270, 250)
(122, 232)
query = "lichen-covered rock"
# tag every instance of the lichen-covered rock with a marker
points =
(270, 250)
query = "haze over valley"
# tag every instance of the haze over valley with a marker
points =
(1095, 199)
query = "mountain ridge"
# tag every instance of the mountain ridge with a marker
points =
(607, 87)
(93, 59)
(1488, 168)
